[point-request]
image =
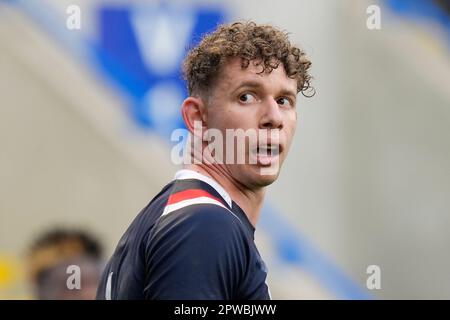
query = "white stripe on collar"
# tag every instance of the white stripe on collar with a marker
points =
(191, 174)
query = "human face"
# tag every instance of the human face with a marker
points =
(55, 284)
(244, 98)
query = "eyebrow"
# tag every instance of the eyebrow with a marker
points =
(257, 85)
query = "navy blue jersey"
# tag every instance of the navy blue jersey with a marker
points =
(190, 242)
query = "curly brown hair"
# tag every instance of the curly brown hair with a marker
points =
(264, 44)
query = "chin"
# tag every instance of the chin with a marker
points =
(263, 176)
(266, 180)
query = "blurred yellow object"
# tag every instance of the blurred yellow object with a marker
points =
(9, 271)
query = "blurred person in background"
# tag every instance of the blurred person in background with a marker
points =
(49, 260)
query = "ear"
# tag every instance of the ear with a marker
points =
(194, 109)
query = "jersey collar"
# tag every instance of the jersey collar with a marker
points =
(191, 174)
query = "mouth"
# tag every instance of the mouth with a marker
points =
(268, 154)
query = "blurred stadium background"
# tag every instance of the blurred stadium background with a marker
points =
(86, 116)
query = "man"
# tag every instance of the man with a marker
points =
(50, 258)
(195, 239)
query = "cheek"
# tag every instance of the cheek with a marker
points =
(229, 118)
(291, 123)
(289, 128)
(219, 121)
(220, 115)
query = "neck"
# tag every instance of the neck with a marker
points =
(249, 200)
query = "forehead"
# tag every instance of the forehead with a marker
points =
(232, 75)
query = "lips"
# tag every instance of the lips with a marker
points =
(267, 154)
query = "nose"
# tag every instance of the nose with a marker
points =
(271, 117)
